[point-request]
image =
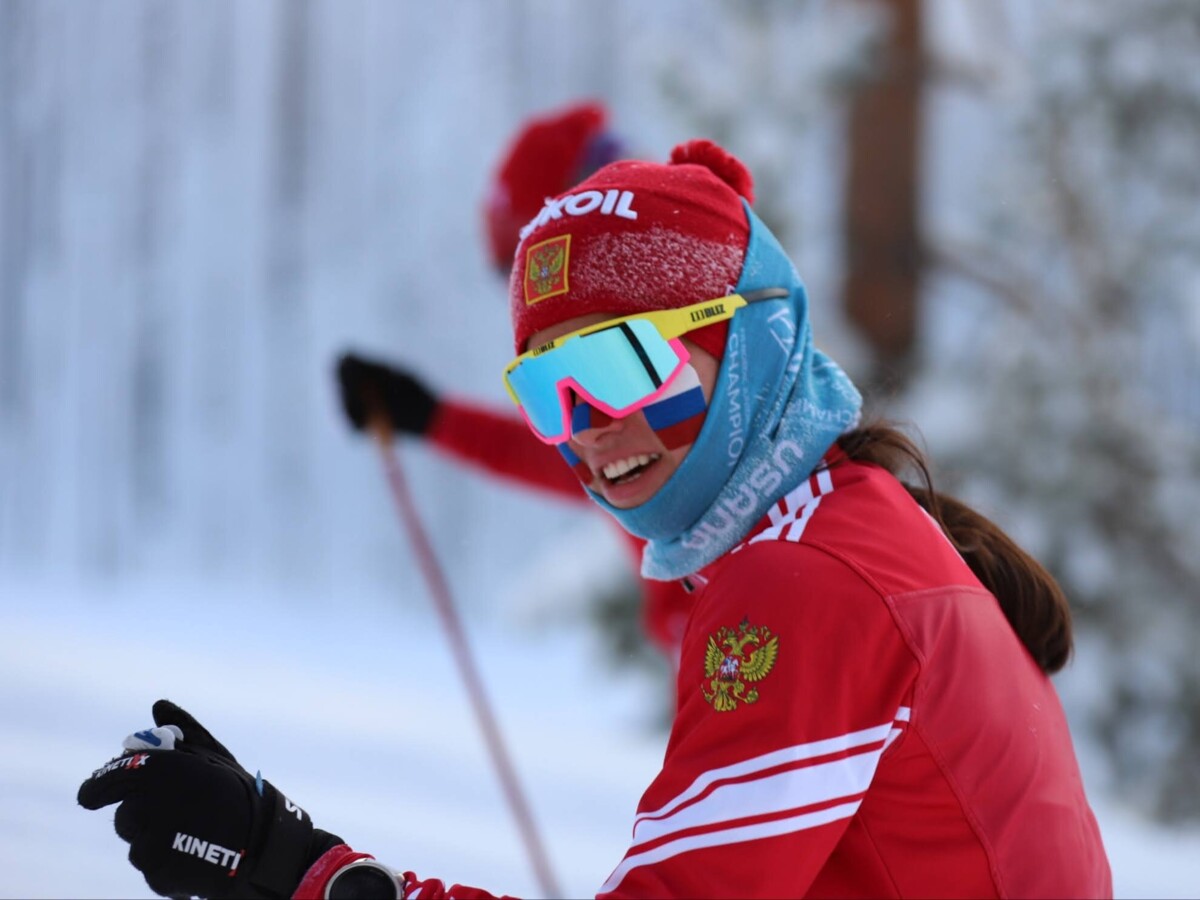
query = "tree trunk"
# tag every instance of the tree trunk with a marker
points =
(881, 199)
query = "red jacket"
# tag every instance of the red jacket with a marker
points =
(504, 446)
(856, 718)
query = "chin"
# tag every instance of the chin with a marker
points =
(626, 504)
(637, 492)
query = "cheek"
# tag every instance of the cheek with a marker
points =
(585, 416)
(675, 418)
(578, 466)
(678, 415)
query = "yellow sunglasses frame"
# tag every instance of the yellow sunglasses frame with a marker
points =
(670, 323)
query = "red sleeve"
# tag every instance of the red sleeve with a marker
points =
(433, 889)
(665, 604)
(665, 610)
(792, 683)
(316, 880)
(502, 445)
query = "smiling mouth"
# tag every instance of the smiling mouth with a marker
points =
(624, 471)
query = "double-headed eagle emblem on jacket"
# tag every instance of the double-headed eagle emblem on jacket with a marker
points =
(735, 659)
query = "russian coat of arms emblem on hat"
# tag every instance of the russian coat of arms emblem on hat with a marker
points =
(735, 656)
(546, 266)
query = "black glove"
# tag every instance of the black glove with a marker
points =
(367, 385)
(197, 823)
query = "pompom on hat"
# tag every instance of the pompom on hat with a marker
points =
(634, 237)
(549, 154)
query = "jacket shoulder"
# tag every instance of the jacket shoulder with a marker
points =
(863, 516)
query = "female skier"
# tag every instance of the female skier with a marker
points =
(863, 707)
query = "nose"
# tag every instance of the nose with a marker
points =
(589, 425)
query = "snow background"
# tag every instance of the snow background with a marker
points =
(201, 204)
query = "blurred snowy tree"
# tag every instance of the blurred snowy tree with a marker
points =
(772, 71)
(883, 262)
(1084, 435)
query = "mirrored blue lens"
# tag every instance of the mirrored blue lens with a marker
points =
(617, 366)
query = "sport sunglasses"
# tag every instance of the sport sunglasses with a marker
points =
(617, 366)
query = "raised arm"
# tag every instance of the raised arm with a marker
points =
(498, 443)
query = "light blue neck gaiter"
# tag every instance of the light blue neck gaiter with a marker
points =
(777, 407)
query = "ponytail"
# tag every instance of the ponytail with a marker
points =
(1030, 598)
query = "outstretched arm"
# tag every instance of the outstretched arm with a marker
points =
(498, 443)
(502, 445)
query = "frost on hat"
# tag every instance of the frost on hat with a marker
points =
(636, 236)
(546, 157)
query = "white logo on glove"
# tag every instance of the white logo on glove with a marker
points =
(207, 851)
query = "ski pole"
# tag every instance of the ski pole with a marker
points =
(436, 580)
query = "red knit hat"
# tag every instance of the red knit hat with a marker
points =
(633, 237)
(548, 155)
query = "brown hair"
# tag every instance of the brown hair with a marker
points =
(1031, 599)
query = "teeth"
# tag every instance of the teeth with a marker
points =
(615, 470)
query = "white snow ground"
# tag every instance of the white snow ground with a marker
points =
(353, 707)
